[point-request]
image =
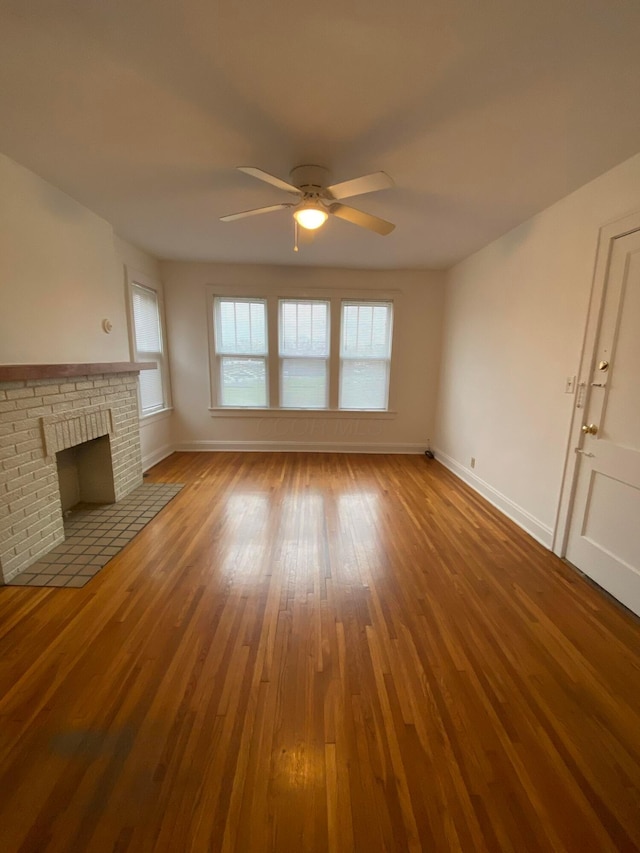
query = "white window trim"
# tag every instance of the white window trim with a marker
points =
(158, 415)
(335, 296)
(133, 276)
(365, 414)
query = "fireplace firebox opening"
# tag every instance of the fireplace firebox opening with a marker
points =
(85, 473)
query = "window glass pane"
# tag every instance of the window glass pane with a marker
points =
(304, 328)
(148, 346)
(364, 384)
(146, 319)
(258, 327)
(151, 393)
(303, 383)
(366, 330)
(381, 318)
(243, 382)
(241, 326)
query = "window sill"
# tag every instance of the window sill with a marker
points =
(365, 414)
(160, 415)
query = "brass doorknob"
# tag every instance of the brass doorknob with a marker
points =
(589, 429)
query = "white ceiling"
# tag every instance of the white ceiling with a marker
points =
(483, 111)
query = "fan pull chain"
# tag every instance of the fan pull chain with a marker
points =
(295, 235)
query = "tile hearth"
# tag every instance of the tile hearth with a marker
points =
(95, 534)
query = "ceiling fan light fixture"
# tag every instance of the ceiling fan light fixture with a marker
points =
(310, 215)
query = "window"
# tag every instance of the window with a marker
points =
(304, 353)
(298, 352)
(240, 333)
(365, 355)
(148, 346)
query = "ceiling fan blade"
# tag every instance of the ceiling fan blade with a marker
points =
(360, 186)
(359, 217)
(233, 216)
(269, 179)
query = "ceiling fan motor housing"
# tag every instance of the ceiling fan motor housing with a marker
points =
(311, 180)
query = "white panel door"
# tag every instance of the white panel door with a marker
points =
(604, 534)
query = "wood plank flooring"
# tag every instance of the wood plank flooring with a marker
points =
(309, 652)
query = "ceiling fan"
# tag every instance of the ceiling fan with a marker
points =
(317, 199)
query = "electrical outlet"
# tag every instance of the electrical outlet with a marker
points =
(473, 461)
(570, 385)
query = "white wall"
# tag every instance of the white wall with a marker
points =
(515, 316)
(137, 259)
(59, 276)
(417, 327)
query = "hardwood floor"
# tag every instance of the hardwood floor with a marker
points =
(320, 653)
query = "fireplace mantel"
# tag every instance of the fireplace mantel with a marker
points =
(21, 372)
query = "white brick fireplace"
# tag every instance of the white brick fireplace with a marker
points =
(45, 409)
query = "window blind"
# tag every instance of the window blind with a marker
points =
(365, 354)
(304, 353)
(148, 345)
(240, 330)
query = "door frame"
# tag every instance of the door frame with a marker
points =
(606, 237)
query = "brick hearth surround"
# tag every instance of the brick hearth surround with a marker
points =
(39, 417)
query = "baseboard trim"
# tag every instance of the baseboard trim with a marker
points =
(297, 447)
(152, 459)
(540, 532)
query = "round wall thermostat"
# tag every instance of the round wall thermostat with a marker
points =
(107, 325)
